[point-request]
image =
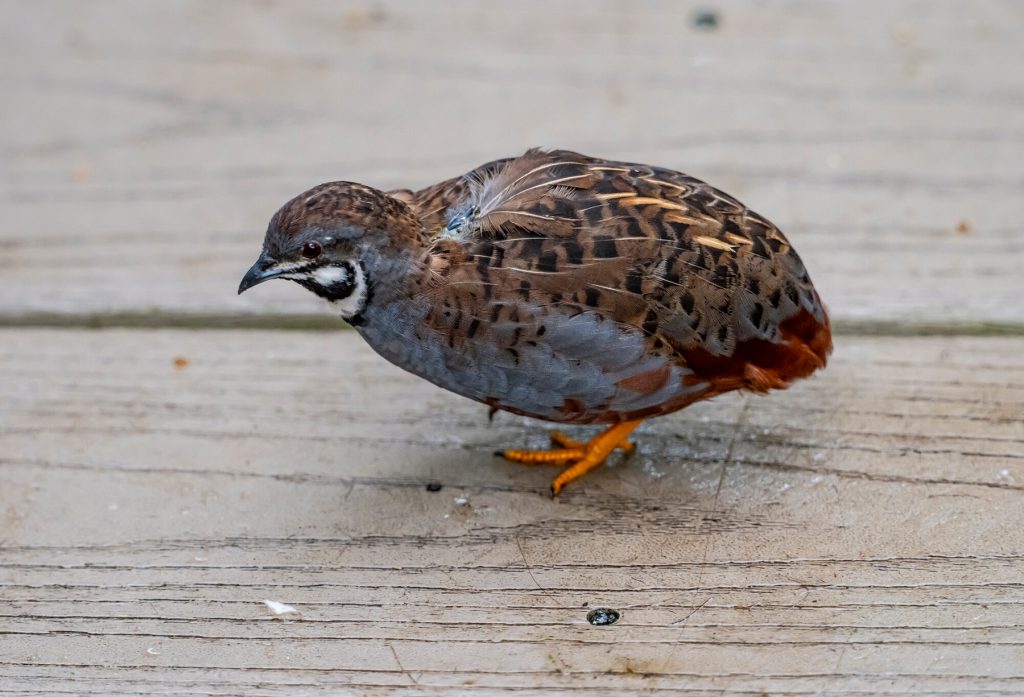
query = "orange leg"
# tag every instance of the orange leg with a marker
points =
(564, 441)
(581, 457)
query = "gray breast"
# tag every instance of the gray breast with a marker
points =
(579, 371)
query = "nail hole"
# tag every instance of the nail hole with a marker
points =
(601, 616)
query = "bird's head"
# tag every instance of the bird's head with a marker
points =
(337, 239)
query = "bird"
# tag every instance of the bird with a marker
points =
(554, 285)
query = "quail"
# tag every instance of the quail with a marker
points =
(559, 286)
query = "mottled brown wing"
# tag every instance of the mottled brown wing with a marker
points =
(705, 279)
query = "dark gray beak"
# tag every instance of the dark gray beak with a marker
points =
(262, 270)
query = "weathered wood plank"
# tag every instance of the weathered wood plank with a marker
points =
(858, 534)
(147, 144)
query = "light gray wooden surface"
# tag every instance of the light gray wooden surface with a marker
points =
(850, 535)
(860, 534)
(145, 145)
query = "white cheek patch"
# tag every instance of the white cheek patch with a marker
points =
(355, 303)
(328, 276)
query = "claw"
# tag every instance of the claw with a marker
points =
(580, 456)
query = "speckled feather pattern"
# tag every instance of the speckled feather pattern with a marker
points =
(579, 290)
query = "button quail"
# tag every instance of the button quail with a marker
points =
(562, 287)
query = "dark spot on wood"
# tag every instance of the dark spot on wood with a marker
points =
(473, 326)
(775, 298)
(603, 616)
(592, 296)
(541, 330)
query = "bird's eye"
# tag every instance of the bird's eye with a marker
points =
(311, 250)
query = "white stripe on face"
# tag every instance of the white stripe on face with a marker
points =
(355, 303)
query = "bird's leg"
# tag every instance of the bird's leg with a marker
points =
(563, 441)
(581, 457)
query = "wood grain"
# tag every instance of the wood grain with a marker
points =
(147, 144)
(858, 534)
(861, 534)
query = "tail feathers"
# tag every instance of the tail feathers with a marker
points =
(759, 365)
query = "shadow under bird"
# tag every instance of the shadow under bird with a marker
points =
(562, 287)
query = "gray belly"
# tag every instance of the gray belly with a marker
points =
(576, 374)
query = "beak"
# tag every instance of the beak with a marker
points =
(262, 270)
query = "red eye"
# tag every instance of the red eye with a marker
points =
(311, 250)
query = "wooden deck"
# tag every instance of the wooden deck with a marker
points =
(162, 477)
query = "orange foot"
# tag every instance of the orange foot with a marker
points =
(581, 457)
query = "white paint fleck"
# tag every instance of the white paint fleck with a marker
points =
(817, 479)
(818, 457)
(153, 651)
(279, 608)
(461, 501)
